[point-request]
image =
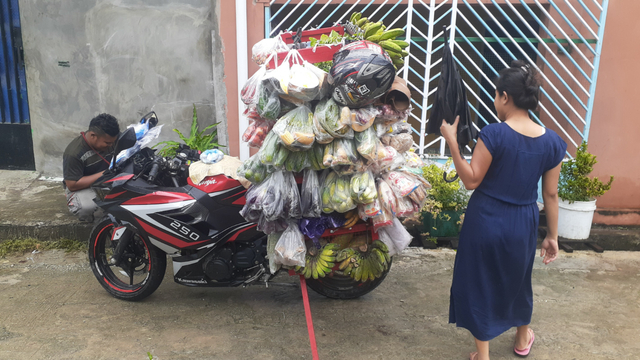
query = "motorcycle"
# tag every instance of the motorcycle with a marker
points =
(153, 209)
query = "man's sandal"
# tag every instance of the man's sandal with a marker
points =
(525, 352)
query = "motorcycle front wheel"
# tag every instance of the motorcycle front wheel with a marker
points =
(138, 276)
(338, 286)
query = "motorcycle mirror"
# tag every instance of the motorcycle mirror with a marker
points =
(151, 118)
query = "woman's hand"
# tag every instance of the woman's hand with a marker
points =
(549, 250)
(450, 132)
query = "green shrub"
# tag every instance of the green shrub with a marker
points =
(443, 196)
(575, 184)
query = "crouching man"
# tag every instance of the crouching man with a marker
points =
(84, 161)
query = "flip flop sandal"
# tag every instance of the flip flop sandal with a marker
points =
(525, 352)
(473, 355)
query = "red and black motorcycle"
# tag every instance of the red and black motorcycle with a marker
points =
(154, 210)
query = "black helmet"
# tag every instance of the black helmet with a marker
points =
(362, 71)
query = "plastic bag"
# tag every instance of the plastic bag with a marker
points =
(146, 137)
(272, 201)
(401, 142)
(251, 210)
(348, 169)
(388, 115)
(249, 93)
(298, 161)
(281, 157)
(278, 78)
(270, 227)
(336, 195)
(316, 154)
(272, 240)
(405, 207)
(211, 156)
(400, 128)
(419, 196)
(369, 210)
(251, 113)
(389, 159)
(383, 219)
(333, 120)
(323, 109)
(326, 179)
(401, 183)
(295, 129)
(323, 79)
(257, 132)
(396, 236)
(387, 197)
(362, 119)
(269, 149)
(268, 105)
(363, 188)
(286, 105)
(310, 200)
(290, 248)
(253, 170)
(265, 202)
(263, 49)
(341, 198)
(340, 152)
(291, 208)
(303, 84)
(412, 160)
(367, 144)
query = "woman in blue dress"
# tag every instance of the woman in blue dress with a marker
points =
(491, 289)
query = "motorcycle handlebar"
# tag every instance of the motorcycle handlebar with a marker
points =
(154, 171)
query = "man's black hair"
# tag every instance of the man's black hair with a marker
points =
(104, 124)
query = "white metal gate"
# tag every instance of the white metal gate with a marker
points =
(561, 38)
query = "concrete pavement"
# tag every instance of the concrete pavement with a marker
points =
(586, 307)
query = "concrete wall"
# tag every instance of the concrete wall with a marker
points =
(615, 126)
(126, 58)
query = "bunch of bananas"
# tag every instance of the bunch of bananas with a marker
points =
(319, 263)
(352, 218)
(368, 262)
(376, 32)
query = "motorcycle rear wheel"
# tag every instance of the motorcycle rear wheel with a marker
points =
(344, 287)
(134, 280)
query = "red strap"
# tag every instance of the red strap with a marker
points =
(307, 313)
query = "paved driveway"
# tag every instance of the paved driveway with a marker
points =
(587, 306)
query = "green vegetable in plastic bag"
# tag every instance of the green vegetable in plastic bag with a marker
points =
(297, 161)
(269, 149)
(334, 121)
(295, 129)
(281, 156)
(363, 188)
(367, 144)
(340, 152)
(253, 170)
(268, 102)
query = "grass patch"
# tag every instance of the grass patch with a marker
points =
(30, 244)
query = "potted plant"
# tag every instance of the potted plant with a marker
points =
(443, 211)
(578, 193)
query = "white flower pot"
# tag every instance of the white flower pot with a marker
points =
(574, 220)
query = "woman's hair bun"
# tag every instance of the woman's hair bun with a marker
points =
(520, 81)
